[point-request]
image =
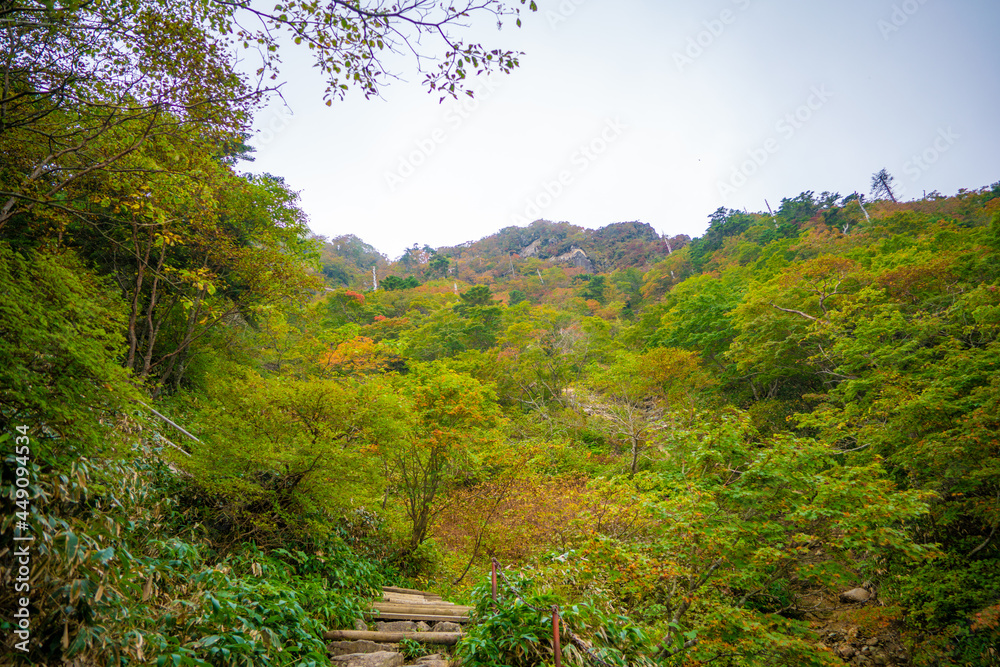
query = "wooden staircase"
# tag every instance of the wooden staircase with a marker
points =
(406, 604)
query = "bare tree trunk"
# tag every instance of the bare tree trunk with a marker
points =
(133, 316)
(635, 456)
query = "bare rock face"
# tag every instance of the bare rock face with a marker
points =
(396, 626)
(446, 626)
(846, 651)
(377, 659)
(422, 627)
(856, 595)
(359, 624)
(576, 258)
(357, 646)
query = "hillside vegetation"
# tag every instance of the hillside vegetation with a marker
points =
(692, 446)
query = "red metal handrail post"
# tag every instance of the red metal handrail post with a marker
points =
(556, 648)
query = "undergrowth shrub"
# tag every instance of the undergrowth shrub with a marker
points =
(119, 577)
(516, 630)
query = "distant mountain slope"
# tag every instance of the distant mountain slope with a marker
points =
(347, 261)
(616, 246)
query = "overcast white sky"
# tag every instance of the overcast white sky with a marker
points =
(653, 111)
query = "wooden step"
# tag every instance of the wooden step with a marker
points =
(410, 591)
(375, 636)
(446, 608)
(407, 604)
(402, 598)
(429, 618)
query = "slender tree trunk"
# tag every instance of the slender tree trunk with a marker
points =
(133, 316)
(635, 456)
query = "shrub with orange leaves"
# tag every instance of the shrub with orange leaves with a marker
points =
(359, 356)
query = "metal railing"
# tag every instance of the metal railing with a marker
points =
(559, 625)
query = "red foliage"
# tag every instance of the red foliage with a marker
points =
(357, 296)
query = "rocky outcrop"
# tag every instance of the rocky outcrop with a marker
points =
(531, 250)
(576, 258)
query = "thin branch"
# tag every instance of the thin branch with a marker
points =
(795, 312)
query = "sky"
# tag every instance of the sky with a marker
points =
(658, 112)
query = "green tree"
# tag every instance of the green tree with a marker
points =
(699, 315)
(595, 288)
(542, 351)
(61, 339)
(392, 283)
(882, 185)
(638, 396)
(439, 265)
(757, 523)
(455, 416)
(88, 84)
(282, 456)
(480, 295)
(783, 326)
(191, 255)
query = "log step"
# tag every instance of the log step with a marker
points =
(437, 608)
(429, 618)
(410, 591)
(446, 638)
(403, 598)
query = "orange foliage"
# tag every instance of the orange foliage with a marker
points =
(987, 619)
(522, 517)
(913, 282)
(358, 356)
(874, 620)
